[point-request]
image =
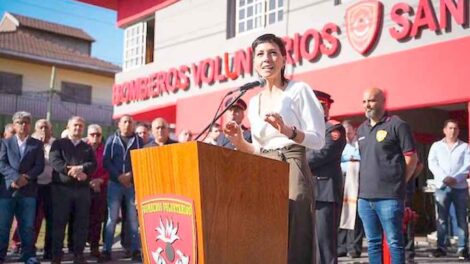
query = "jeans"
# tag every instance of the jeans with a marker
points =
(24, 208)
(383, 216)
(117, 192)
(444, 198)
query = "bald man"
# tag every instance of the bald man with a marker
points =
(388, 159)
(161, 133)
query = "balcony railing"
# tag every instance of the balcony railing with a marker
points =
(61, 111)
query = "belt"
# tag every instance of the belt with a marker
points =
(262, 150)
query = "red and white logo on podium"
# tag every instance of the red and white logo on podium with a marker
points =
(363, 23)
(169, 229)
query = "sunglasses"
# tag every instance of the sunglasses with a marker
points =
(95, 134)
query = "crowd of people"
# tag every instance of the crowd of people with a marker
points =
(344, 181)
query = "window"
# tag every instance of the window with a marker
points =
(75, 93)
(254, 14)
(139, 44)
(11, 83)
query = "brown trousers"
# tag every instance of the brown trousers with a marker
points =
(301, 204)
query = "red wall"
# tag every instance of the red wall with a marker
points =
(431, 75)
(436, 74)
(131, 10)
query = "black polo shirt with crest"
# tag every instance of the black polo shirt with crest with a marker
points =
(383, 148)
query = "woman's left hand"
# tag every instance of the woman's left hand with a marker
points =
(275, 120)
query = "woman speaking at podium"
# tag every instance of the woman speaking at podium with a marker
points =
(286, 118)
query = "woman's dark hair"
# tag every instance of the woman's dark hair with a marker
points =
(271, 38)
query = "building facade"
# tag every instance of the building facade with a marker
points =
(35, 54)
(183, 56)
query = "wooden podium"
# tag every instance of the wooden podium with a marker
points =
(240, 202)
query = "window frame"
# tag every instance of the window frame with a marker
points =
(138, 44)
(17, 79)
(262, 15)
(65, 97)
(135, 45)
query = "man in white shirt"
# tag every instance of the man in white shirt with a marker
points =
(449, 161)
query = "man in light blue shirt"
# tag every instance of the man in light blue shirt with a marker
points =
(351, 150)
(350, 241)
(449, 161)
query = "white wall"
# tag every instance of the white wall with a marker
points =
(191, 30)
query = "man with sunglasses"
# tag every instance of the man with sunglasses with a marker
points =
(98, 184)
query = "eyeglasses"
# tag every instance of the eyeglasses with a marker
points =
(22, 122)
(95, 134)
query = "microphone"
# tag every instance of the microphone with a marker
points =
(249, 86)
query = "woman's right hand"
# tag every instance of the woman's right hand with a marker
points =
(233, 132)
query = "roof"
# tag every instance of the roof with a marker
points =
(52, 27)
(109, 4)
(25, 46)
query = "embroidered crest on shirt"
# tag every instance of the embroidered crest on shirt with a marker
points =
(381, 135)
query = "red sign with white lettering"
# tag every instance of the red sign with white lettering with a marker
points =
(363, 25)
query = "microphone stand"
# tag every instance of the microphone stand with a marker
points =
(242, 93)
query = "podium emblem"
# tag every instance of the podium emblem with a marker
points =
(169, 230)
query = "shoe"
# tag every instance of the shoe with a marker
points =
(79, 259)
(127, 254)
(354, 255)
(136, 256)
(16, 249)
(410, 256)
(463, 254)
(32, 260)
(341, 254)
(95, 252)
(432, 237)
(56, 260)
(105, 256)
(439, 252)
(47, 257)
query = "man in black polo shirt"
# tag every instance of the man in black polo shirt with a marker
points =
(388, 159)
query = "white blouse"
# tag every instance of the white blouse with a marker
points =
(299, 107)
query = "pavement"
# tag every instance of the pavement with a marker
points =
(423, 246)
(117, 256)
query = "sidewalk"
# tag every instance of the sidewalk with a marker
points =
(423, 249)
(117, 255)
